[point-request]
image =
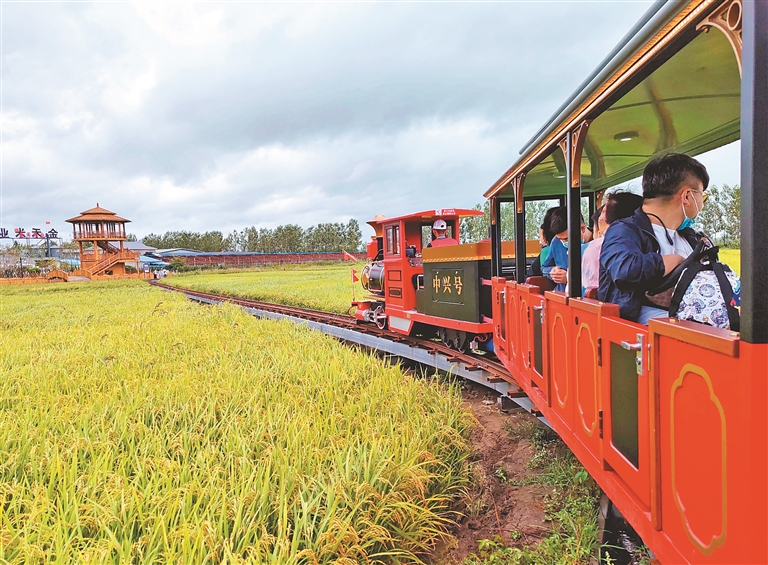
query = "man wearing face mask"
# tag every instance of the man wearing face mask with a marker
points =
(640, 250)
(555, 266)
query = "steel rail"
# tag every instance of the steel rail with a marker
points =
(488, 373)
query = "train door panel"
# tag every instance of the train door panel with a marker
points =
(538, 344)
(393, 261)
(513, 327)
(704, 436)
(625, 404)
(412, 267)
(587, 349)
(559, 331)
(499, 308)
(528, 297)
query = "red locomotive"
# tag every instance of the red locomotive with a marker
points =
(414, 287)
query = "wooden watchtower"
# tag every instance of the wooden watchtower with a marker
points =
(101, 236)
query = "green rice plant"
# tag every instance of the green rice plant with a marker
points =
(138, 427)
(319, 287)
(733, 258)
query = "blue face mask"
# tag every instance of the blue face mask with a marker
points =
(565, 244)
(688, 222)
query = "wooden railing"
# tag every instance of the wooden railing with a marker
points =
(99, 235)
(110, 259)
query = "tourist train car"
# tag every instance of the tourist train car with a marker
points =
(669, 418)
(413, 286)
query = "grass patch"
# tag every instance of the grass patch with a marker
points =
(732, 257)
(572, 506)
(138, 427)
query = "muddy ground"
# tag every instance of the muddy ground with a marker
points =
(502, 505)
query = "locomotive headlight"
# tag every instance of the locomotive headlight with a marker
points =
(372, 278)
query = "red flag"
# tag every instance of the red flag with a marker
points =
(354, 276)
(348, 256)
(47, 223)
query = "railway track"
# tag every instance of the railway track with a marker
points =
(476, 368)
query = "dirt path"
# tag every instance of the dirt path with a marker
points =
(502, 505)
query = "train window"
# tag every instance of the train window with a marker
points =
(393, 240)
(396, 238)
(426, 234)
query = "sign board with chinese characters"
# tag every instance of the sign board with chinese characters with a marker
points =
(453, 290)
(448, 286)
(34, 233)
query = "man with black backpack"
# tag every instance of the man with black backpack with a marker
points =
(639, 251)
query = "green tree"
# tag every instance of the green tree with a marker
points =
(711, 218)
(209, 241)
(288, 239)
(235, 241)
(475, 228)
(733, 213)
(152, 240)
(353, 237)
(720, 218)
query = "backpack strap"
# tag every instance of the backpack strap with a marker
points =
(686, 277)
(672, 278)
(734, 319)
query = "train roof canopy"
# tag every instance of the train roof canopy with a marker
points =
(673, 84)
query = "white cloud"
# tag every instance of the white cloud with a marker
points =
(205, 116)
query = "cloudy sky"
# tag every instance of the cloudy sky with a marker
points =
(203, 116)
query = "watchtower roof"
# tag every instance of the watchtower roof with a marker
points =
(97, 214)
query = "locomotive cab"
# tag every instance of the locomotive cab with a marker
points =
(395, 271)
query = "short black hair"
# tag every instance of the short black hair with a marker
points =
(548, 235)
(621, 205)
(663, 176)
(558, 223)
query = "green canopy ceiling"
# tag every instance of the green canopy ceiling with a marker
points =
(690, 104)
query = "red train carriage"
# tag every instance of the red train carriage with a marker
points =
(669, 418)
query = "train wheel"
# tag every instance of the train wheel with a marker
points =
(454, 339)
(379, 317)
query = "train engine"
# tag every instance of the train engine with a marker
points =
(440, 291)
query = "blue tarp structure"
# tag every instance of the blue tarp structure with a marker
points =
(153, 263)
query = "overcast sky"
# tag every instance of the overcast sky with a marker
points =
(202, 116)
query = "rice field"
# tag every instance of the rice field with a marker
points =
(319, 287)
(732, 257)
(138, 427)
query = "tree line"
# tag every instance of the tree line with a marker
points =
(290, 238)
(720, 218)
(475, 228)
